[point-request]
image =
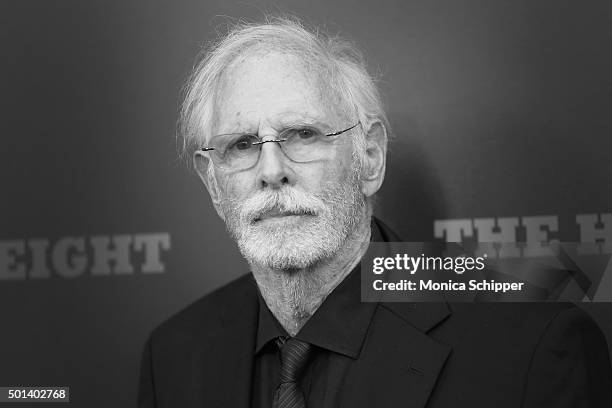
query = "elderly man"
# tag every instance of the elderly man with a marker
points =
(288, 134)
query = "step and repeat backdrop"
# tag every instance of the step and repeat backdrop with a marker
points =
(502, 130)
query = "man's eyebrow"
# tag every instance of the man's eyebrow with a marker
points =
(299, 116)
(289, 120)
(301, 122)
(238, 128)
(301, 119)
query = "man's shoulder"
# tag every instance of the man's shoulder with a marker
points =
(495, 323)
(516, 316)
(213, 310)
(516, 313)
(523, 327)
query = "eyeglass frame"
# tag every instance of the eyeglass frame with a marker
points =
(261, 141)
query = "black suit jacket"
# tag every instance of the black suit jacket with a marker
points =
(415, 355)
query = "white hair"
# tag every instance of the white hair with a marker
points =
(338, 63)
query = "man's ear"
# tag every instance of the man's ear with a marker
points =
(201, 162)
(375, 160)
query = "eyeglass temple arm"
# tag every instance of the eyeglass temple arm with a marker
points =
(342, 131)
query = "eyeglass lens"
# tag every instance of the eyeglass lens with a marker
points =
(240, 151)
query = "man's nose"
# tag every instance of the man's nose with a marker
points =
(273, 170)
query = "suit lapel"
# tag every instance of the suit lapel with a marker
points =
(227, 360)
(399, 361)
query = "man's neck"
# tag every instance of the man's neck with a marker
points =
(294, 296)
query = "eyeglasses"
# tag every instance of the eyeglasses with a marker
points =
(239, 151)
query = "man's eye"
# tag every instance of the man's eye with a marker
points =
(305, 133)
(243, 143)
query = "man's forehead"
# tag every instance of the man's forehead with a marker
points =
(275, 87)
(257, 56)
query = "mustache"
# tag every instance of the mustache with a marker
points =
(285, 201)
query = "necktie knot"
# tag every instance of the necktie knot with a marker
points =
(294, 356)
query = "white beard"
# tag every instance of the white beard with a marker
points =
(329, 218)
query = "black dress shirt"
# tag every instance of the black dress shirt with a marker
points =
(337, 331)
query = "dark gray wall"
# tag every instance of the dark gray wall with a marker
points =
(500, 108)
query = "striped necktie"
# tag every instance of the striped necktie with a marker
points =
(294, 356)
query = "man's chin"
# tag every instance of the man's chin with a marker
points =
(281, 260)
(286, 249)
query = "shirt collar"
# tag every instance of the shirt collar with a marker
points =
(341, 322)
(268, 328)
